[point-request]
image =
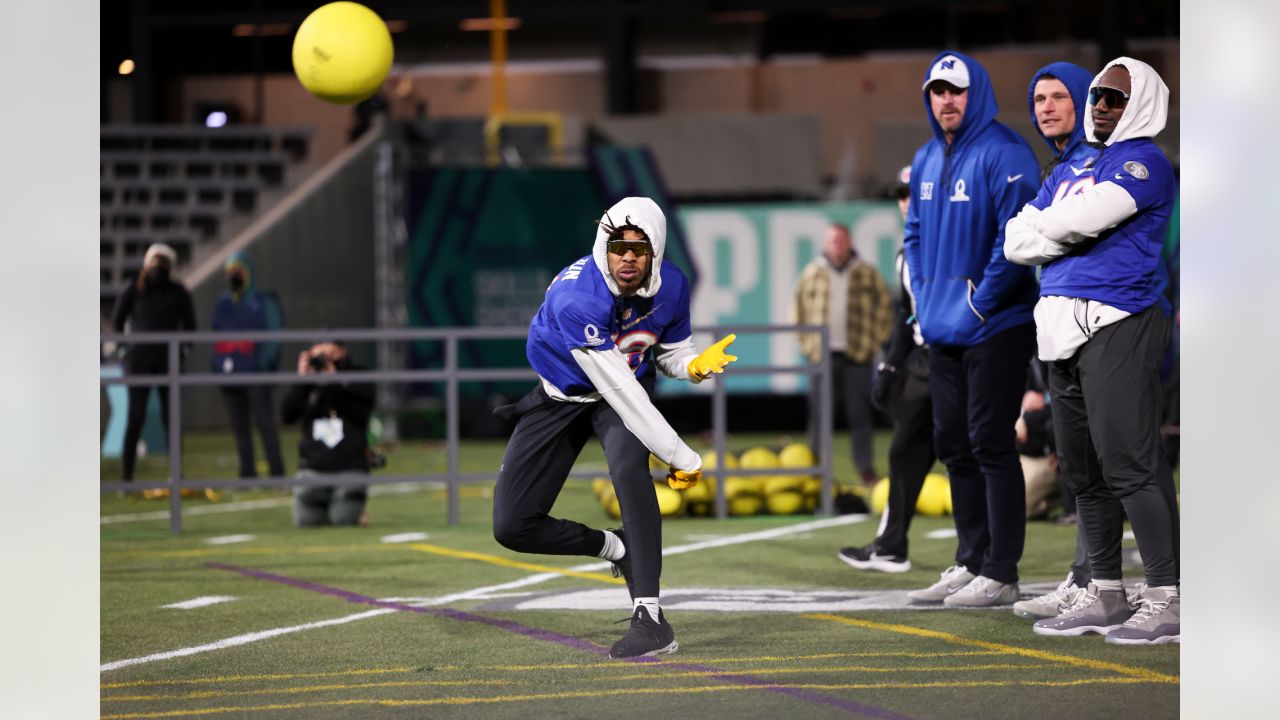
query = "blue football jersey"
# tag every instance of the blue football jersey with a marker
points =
(579, 311)
(1122, 267)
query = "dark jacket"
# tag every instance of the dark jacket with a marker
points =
(329, 402)
(248, 309)
(160, 307)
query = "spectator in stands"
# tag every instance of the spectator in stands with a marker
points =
(155, 302)
(243, 307)
(901, 389)
(839, 290)
(974, 308)
(1097, 230)
(335, 421)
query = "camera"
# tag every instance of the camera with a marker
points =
(319, 362)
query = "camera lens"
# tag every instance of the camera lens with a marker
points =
(318, 362)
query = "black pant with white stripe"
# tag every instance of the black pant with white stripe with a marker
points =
(548, 438)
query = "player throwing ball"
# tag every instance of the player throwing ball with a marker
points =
(607, 321)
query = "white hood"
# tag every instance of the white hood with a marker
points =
(646, 215)
(1148, 106)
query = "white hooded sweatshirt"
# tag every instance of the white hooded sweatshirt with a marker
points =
(609, 371)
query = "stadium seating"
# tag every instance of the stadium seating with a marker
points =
(187, 186)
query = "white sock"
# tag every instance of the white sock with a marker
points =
(1171, 589)
(613, 548)
(650, 606)
(1108, 584)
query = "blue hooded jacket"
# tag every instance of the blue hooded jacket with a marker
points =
(962, 195)
(248, 309)
(1077, 80)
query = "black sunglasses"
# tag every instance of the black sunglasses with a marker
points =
(1115, 98)
(620, 247)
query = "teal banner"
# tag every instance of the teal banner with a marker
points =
(748, 258)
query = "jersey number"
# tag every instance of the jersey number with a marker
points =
(1071, 187)
(634, 345)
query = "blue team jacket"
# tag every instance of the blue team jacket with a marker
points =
(962, 195)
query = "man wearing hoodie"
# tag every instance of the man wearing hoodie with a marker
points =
(1097, 228)
(1056, 97)
(608, 320)
(244, 307)
(974, 309)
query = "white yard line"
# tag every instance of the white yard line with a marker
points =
(482, 591)
(242, 640)
(200, 602)
(229, 539)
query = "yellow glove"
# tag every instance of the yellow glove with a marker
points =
(712, 360)
(683, 479)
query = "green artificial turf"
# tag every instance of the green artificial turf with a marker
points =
(400, 663)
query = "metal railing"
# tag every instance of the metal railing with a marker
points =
(452, 376)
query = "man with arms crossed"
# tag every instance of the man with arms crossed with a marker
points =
(1097, 229)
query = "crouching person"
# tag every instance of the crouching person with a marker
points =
(334, 417)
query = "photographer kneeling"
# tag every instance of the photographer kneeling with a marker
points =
(335, 419)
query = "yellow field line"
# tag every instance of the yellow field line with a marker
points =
(827, 669)
(242, 678)
(204, 694)
(419, 547)
(574, 694)
(1149, 675)
(544, 666)
(504, 562)
(254, 550)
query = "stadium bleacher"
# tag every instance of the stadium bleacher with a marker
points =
(188, 186)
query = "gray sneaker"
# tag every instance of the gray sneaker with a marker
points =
(982, 591)
(953, 578)
(1050, 604)
(1156, 622)
(1095, 610)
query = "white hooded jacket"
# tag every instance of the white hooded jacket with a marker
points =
(608, 370)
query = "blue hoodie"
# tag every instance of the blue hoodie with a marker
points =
(248, 309)
(1077, 80)
(962, 195)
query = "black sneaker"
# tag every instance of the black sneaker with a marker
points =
(622, 568)
(866, 558)
(646, 637)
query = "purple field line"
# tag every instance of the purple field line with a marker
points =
(566, 640)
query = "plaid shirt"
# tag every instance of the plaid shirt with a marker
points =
(869, 311)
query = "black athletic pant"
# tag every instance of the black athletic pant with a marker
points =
(253, 401)
(547, 440)
(911, 453)
(851, 383)
(143, 361)
(977, 395)
(1106, 421)
(138, 397)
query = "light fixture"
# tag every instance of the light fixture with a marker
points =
(487, 24)
(126, 66)
(215, 119)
